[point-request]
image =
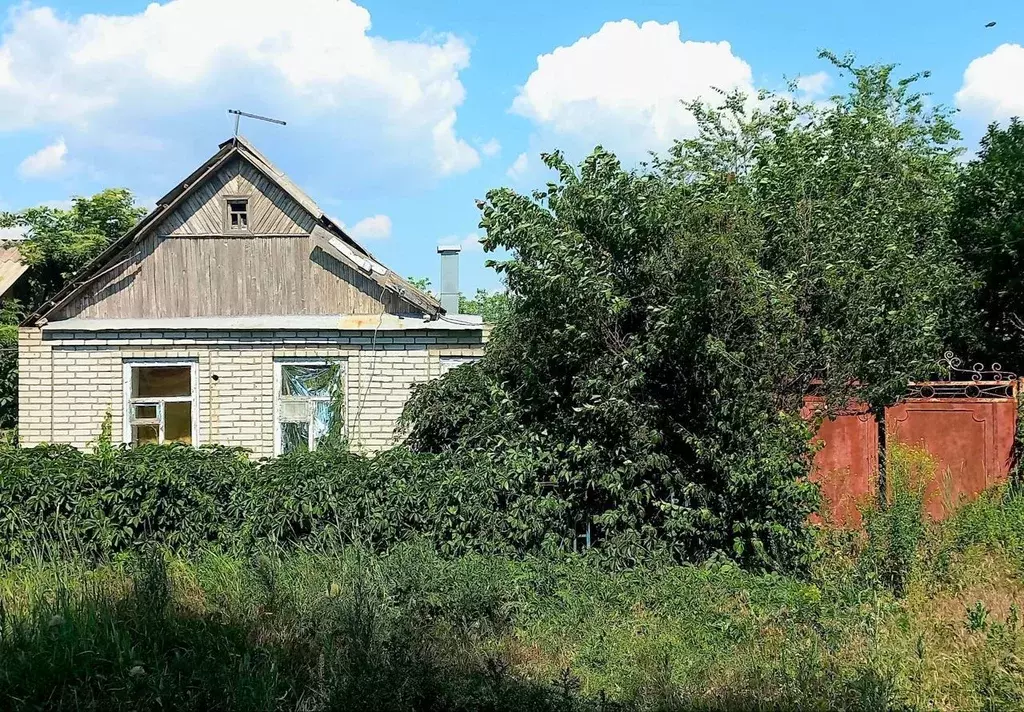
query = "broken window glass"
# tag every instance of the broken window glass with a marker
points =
(310, 404)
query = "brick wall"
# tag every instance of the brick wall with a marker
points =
(69, 381)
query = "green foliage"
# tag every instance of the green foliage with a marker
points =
(492, 306)
(664, 324)
(8, 376)
(410, 630)
(988, 224)
(895, 530)
(60, 242)
(845, 208)
(56, 498)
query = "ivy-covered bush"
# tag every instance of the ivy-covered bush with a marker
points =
(55, 498)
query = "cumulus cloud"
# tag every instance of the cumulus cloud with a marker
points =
(519, 167)
(623, 86)
(491, 148)
(813, 85)
(375, 227)
(992, 87)
(313, 61)
(45, 162)
(471, 243)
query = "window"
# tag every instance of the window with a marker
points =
(160, 402)
(310, 404)
(237, 214)
(450, 362)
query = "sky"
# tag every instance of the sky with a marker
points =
(403, 113)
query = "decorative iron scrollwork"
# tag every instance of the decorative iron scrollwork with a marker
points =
(974, 382)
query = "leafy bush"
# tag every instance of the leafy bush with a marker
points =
(57, 498)
(8, 376)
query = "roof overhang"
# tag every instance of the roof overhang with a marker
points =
(296, 323)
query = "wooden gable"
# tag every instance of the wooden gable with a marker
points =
(271, 210)
(187, 264)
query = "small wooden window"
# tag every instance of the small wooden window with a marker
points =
(237, 215)
(159, 402)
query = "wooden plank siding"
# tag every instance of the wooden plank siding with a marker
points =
(230, 276)
(271, 210)
(189, 267)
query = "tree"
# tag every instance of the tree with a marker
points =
(492, 306)
(665, 323)
(988, 225)
(60, 242)
(848, 206)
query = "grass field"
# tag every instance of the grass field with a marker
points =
(906, 617)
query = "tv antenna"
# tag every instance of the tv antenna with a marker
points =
(239, 114)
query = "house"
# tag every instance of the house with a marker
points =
(236, 313)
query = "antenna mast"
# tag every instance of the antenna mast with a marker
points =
(239, 114)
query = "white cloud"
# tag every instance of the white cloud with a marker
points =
(375, 227)
(471, 243)
(623, 86)
(813, 85)
(519, 167)
(45, 162)
(314, 62)
(992, 88)
(491, 148)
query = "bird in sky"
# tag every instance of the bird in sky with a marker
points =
(991, 24)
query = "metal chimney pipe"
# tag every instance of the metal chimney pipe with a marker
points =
(449, 277)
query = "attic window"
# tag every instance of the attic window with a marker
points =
(238, 214)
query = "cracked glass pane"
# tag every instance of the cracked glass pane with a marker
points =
(294, 436)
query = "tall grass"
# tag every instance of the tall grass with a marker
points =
(908, 615)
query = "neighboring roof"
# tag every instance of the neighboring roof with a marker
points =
(329, 322)
(12, 266)
(326, 229)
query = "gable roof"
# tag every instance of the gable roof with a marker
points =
(327, 234)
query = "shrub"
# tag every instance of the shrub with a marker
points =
(114, 500)
(54, 497)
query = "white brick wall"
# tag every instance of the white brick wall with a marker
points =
(68, 381)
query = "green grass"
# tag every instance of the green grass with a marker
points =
(902, 617)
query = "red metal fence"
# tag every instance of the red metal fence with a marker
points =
(968, 428)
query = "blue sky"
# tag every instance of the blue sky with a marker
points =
(402, 113)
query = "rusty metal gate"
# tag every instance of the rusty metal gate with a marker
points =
(967, 424)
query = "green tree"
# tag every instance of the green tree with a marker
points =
(848, 208)
(988, 224)
(491, 305)
(667, 322)
(60, 242)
